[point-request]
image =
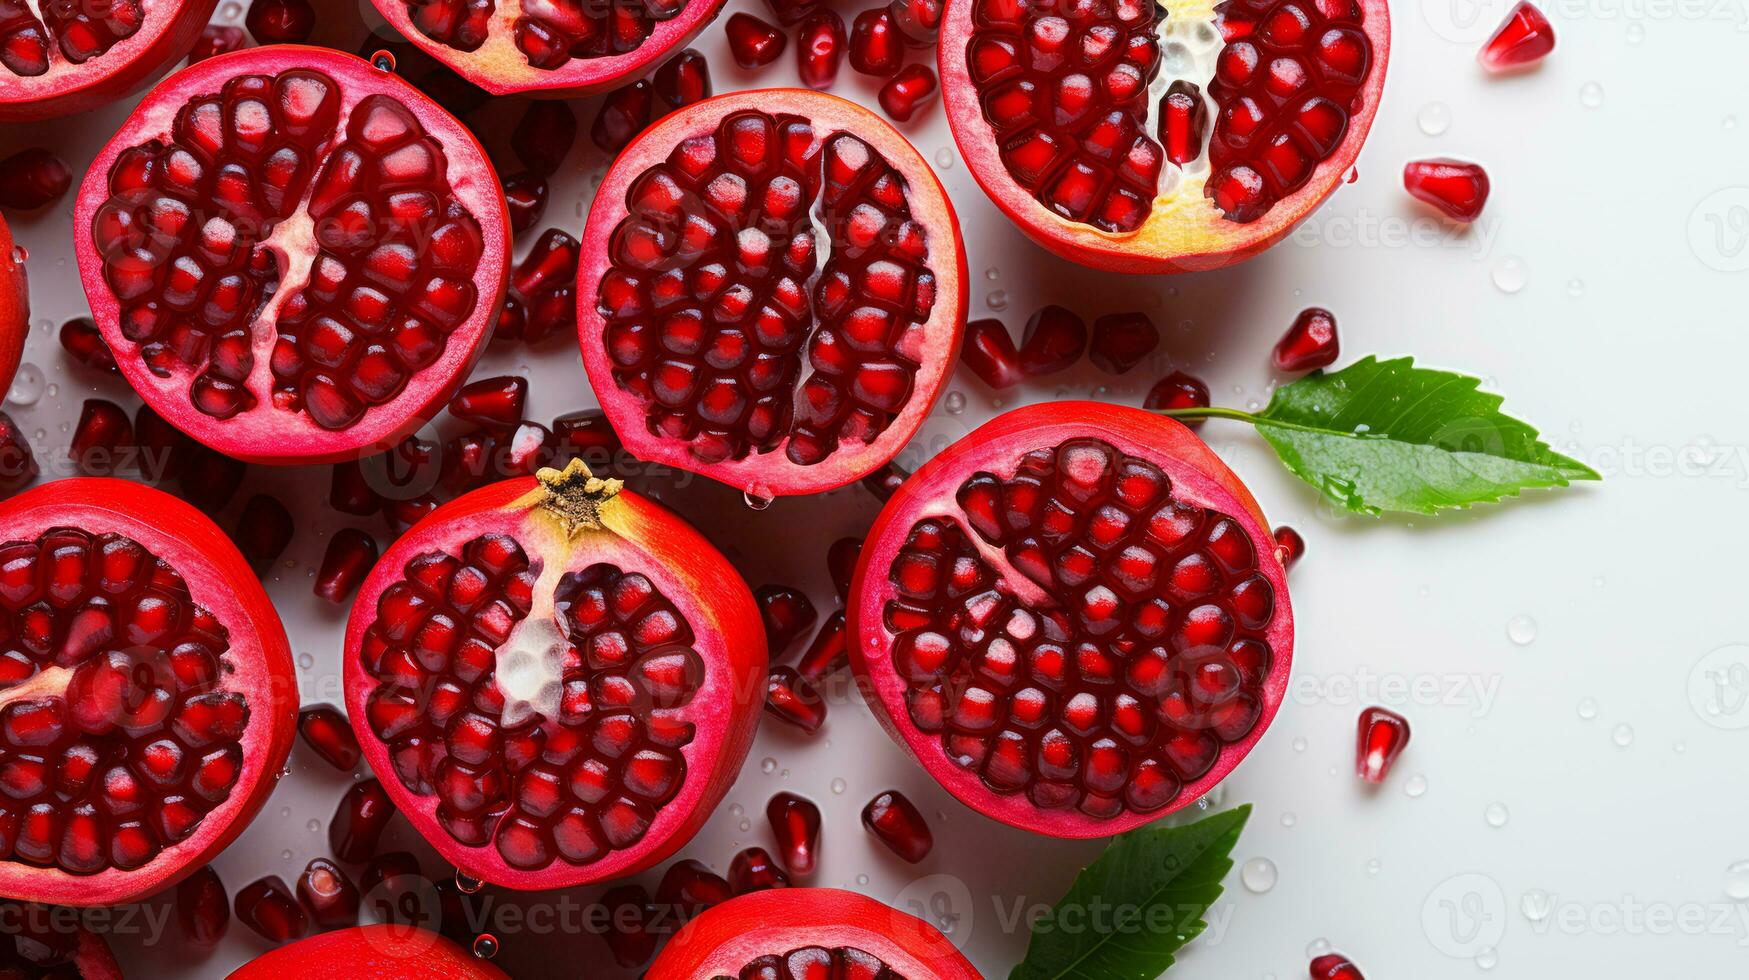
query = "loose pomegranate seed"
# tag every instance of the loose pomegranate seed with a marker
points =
(326, 731)
(267, 906)
(1523, 38)
(795, 822)
(280, 21)
(753, 42)
(395, 869)
(542, 291)
(216, 39)
(1183, 117)
(896, 823)
(1122, 340)
(624, 114)
(689, 888)
(787, 614)
(753, 870)
(791, 698)
(525, 194)
(911, 89)
(820, 48)
(99, 438)
(884, 482)
(17, 463)
(876, 47)
(917, 21)
(202, 907)
(1289, 546)
(161, 448)
(543, 137)
(1310, 342)
(1054, 339)
(359, 822)
(587, 435)
(82, 341)
(1334, 966)
(989, 352)
(792, 12)
(630, 916)
(1178, 390)
(263, 531)
(206, 477)
(329, 894)
(1382, 735)
(33, 178)
(492, 403)
(1458, 189)
(841, 564)
(827, 653)
(682, 80)
(351, 555)
(350, 492)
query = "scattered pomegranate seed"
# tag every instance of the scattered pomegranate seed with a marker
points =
(792, 12)
(884, 482)
(1382, 735)
(280, 21)
(1183, 117)
(753, 870)
(795, 822)
(350, 492)
(263, 531)
(588, 435)
(682, 80)
(99, 438)
(624, 114)
(688, 888)
(895, 821)
(1054, 340)
(525, 195)
(917, 21)
(1310, 342)
(841, 564)
(1121, 341)
(1523, 38)
(753, 42)
(326, 731)
(1289, 546)
(1334, 966)
(787, 614)
(543, 138)
(267, 906)
(17, 463)
(491, 403)
(1456, 188)
(541, 302)
(206, 477)
(875, 45)
(359, 821)
(329, 894)
(828, 652)
(989, 352)
(1178, 390)
(216, 39)
(820, 48)
(396, 869)
(911, 89)
(351, 555)
(82, 341)
(33, 178)
(628, 925)
(202, 907)
(159, 446)
(791, 698)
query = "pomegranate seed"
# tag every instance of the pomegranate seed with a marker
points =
(1122, 340)
(884, 482)
(841, 564)
(990, 353)
(202, 908)
(587, 435)
(541, 290)
(1289, 546)
(493, 403)
(895, 821)
(820, 49)
(216, 39)
(206, 477)
(350, 492)
(359, 821)
(682, 80)
(1334, 966)
(1524, 38)
(33, 178)
(1382, 735)
(1054, 340)
(753, 42)
(630, 915)
(267, 906)
(543, 138)
(159, 446)
(828, 652)
(624, 114)
(792, 12)
(1178, 390)
(98, 440)
(326, 731)
(1183, 117)
(263, 531)
(1309, 343)
(17, 463)
(875, 45)
(795, 822)
(280, 21)
(911, 89)
(917, 21)
(351, 555)
(329, 894)
(689, 888)
(787, 614)
(390, 873)
(1458, 189)
(753, 870)
(791, 698)
(525, 195)
(82, 341)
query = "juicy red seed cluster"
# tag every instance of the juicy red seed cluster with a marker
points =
(1145, 656)
(142, 742)
(708, 307)
(570, 788)
(552, 32)
(184, 243)
(1289, 76)
(1065, 87)
(815, 962)
(74, 32)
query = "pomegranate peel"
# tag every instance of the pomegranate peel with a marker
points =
(374, 952)
(117, 53)
(14, 306)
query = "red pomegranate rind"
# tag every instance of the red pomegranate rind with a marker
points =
(806, 930)
(650, 643)
(125, 801)
(375, 952)
(549, 48)
(14, 307)
(1097, 626)
(57, 59)
(724, 390)
(294, 255)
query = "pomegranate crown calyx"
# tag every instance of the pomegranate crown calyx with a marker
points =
(575, 496)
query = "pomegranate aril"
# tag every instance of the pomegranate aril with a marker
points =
(1178, 390)
(624, 114)
(267, 906)
(792, 12)
(264, 529)
(492, 403)
(525, 195)
(100, 438)
(329, 894)
(1054, 340)
(876, 47)
(395, 869)
(1334, 966)
(689, 888)
(542, 290)
(1183, 118)
(1458, 189)
(359, 822)
(1289, 546)
(827, 653)
(629, 919)
(841, 564)
(789, 697)
(894, 820)
(82, 341)
(1380, 738)
(1122, 340)
(587, 435)
(753, 870)
(884, 482)
(917, 21)
(989, 352)
(325, 730)
(787, 614)
(350, 556)
(543, 137)
(753, 42)
(795, 822)
(17, 463)
(1310, 342)
(202, 908)
(1523, 38)
(350, 490)
(280, 21)
(913, 88)
(216, 39)
(681, 81)
(820, 48)
(206, 477)
(33, 178)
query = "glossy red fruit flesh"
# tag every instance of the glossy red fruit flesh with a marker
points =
(895, 822)
(1524, 38)
(100, 438)
(43, 942)
(787, 613)
(216, 39)
(374, 952)
(1050, 108)
(990, 353)
(1310, 342)
(544, 136)
(17, 463)
(753, 42)
(1456, 188)
(629, 917)
(810, 932)
(326, 731)
(1133, 629)
(492, 403)
(267, 906)
(624, 114)
(359, 820)
(33, 178)
(1122, 340)
(14, 306)
(911, 90)
(795, 823)
(280, 21)
(348, 257)
(1381, 736)
(773, 387)
(1178, 390)
(350, 556)
(820, 43)
(681, 81)
(1334, 966)
(1289, 546)
(147, 704)
(328, 894)
(203, 910)
(754, 870)
(542, 301)
(57, 59)
(557, 680)
(793, 699)
(876, 48)
(1054, 340)
(827, 652)
(82, 342)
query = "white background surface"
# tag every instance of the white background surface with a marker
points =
(1626, 207)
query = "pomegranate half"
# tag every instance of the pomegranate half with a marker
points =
(147, 701)
(377, 952)
(802, 933)
(14, 307)
(549, 48)
(37, 942)
(1143, 137)
(1074, 618)
(61, 58)
(775, 289)
(556, 679)
(295, 256)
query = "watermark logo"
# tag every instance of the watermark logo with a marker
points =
(1464, 915)
(943, 901)
(1718, 230)
(1718, 687)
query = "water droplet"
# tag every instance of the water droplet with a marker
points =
(230, 11)
(1373, 866)
(992, 273)
(20, 254)
(1434, 118)
(1258, 875)
(768, 765)
(285, 855)
(284, 811)
(1511, 274)
(1289, 818)
(1496, 815)
(306, 661)
(1737, 881)
(754, 499)
(944, 159)
(1300, 744)
(27, 385)
(737, 810)
(1536, 905)
(956, 402)
(1730, 122)
(314, 826)
(485, 945)
(838, 787)
(746, 825)
(1415, 786)
(862, 879)
(1317, 947)
(1636, 32)
(997, 300)
(1591, 95)
(1487, 958)
(1623, 735)
(1587, 708)
(467, 884)
(1521, 630)
(383, 60)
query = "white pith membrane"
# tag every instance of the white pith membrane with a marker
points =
(1189, 45)
(816, 963)
(543, 34)
(40, 40)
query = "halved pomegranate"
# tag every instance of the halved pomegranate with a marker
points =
(1085, 122)
(377, 952)
(14, 307)
(557, 680)
(782, 289)
(804, 933)
(39, 942)
(295, 255)
(1073, 618)
(59, 58)
(549, 48)
(147, 701)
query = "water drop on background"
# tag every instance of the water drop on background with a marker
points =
(1258, 875)
(485, 945)
(1415, 786)
(1511, 274)
(27, 385)
(1575, 288)
(997, 300)
(1636, 32)
(1434, 118)
(1317, 947)
(1372, 867)
(944, 159)
(755, 500)
(1591, 95)
(1289, 818)
(1487, 958)
(1737, 881)
(955, 402)
(768, 765)
(1623, 735)
(862, 880)
(1496, 814)
(838, 787)
(1536, 905)
(1300, 744)
(1521, 630)
(1587, 708)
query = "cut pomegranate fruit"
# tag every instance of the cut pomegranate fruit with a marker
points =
(719, 200)
(556, 679)
(1310, 342)
(542, 301)
(1050, 107)
(820, 49)
(1524, 38)
(328, 894)
(1456, 188)
(326, 731)
(827, 653)
(294, 255)
(280, 21)
(787, 613)
(17, 463)
(876, 48)
(795, 822)
(359, 820)
(1381, 736)
(910, 90)
(202, 908)
(14, 307)
(990, 353)
(544, 136)
(1122, 340)
(1334, 966)
(41, 941)
(57, 59)
(810, 932)
(753, 42)
(895, 822)
(1178, 390)
(380, 952)
(350, 556)
(216, 39)
(629, 917)
(267, 906)
(82, 342)
(1289, 546)
(1054, 340)
(754, 870)
(33, 178)
(1073, 618)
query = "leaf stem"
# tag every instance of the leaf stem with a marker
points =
(1207, 412)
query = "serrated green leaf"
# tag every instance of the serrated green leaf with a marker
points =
(1129, 911)
(1389, 436)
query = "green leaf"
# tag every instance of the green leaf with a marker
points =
(1128, 912)
(1387, 435)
